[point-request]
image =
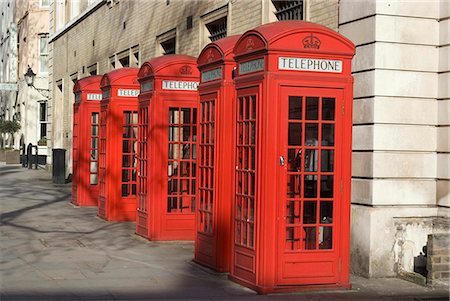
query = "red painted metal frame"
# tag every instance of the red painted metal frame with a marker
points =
(113, 204)
(160, 215)
(214, 197)
(273, 250)
(85, 189)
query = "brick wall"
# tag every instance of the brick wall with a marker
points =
(438, 259)
(324, 12)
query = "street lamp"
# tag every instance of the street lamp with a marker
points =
(29, 76)
(29, 79)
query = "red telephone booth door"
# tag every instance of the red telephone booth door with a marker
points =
(309, 228)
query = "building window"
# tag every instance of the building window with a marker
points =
(168, 46)
(288, 10)
(166, 42)
(215, 25)
(92, 69)
(43, 120)
(217, 29)
(43, 53)
(44, 3)
(74, 8)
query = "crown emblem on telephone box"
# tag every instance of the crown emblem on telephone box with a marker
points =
(311, 41)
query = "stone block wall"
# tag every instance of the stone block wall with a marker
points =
(438, 259)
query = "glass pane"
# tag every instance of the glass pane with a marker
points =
(125, 190)
(125, 175)
(126, 161)
(94, 130)
(327, 164)
(173, 133)
(294, 159)
(293, 212)
(135, 118)
(312, 134)
(295, 107)
(253, 98)
(95, 118)
(194, 116)
(94, 154)
(173, 186)
(185, 151)
(312, 108)
(310, 238)
(94, 179)
(173, 151)
(294, 186)
(325, 238)
(126, 146)
(309, 212)
(295, 134)
(328, 134)
(186, 113)
(133, 189)
(326, 212)
(328, 108)
(310, 186)
(94, 166)
(326, 186)
(94, 143)
(311, 160)
(173, 115)
(186, 133)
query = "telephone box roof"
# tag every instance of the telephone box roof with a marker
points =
(91, 83)
(218, 50)
(122, 76)
(170, 65)
(293, 35)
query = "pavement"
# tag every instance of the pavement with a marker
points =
(51, 250)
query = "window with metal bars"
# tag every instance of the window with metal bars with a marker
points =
(217, 29)
(288, 10)
(168, 46)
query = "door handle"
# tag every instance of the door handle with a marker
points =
(281, 161)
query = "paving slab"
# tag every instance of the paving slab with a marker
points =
(52, 250)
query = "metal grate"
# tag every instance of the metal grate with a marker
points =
(217, 29)
(288, 10)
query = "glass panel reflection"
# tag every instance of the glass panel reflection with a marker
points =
(327, 161)
(295, 134)
(310, 238)
(310, 186)
(309, 212)
(295, 107)
(312, 108)
(325, 238)
(328, 109)
(326, 186)
(326, 212)
(328, 134)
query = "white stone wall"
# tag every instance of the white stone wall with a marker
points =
(400, 133)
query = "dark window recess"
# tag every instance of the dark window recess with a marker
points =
(189, 22)
(169, 46)
(93, 71)
(125, 61)
(217, 29)
(288, 10)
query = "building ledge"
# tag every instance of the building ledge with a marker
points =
(72, 23)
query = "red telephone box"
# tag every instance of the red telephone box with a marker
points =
(86, 110)
(167, 148)
(118, 145)
(215, 159)
(293, 157)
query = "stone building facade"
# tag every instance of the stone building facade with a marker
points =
(401, 159)
(24, 28)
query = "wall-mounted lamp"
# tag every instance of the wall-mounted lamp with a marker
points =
(29, 76)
